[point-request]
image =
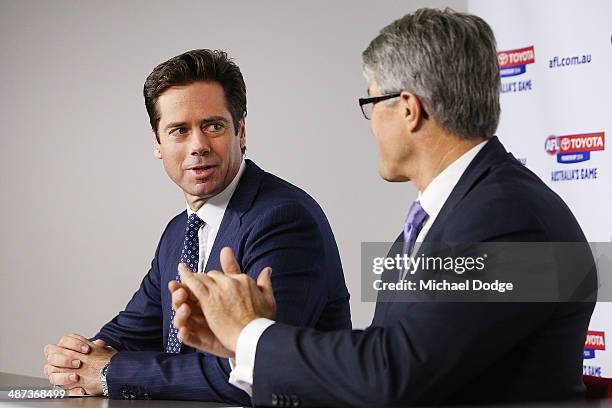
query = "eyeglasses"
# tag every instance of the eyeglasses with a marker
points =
(367, 104)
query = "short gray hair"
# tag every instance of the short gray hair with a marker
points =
(447, 59)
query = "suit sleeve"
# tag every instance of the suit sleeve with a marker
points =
(407, 363)
(191, 376)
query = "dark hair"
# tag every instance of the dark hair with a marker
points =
(193, 66)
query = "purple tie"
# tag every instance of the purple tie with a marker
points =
(414, 222)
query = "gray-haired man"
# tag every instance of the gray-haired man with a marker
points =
(434, 107)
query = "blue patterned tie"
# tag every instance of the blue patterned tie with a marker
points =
(414, 223)
(190, 257)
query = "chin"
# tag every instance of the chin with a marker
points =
(386, 173)
(391, 175)
(202, 190)
(207, 192)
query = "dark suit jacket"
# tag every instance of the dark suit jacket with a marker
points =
(446, 353)
(268, 222)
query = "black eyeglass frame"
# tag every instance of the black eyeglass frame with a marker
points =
(375, 99)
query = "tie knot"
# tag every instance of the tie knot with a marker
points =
(194, 222)
(416, 215)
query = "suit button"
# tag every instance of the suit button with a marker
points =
(274, 400)
(295, 401)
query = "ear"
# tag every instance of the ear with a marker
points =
(242, 133)
(412, 110)
(156, 147)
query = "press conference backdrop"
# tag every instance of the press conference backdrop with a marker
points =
(556, 60)
(79, 180)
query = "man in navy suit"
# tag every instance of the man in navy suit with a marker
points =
(434, 107)
(197, 107)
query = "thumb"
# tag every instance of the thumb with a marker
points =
(99, 342)
(228, 262)
(264, 282)
(192, 282)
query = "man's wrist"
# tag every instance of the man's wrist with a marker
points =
(244, 364)
(236, 335)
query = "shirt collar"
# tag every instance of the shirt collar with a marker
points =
(214, 208)
(437, 192)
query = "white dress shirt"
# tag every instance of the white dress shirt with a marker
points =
(212, 214)
(432, 200)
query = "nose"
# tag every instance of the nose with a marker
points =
(199, 143)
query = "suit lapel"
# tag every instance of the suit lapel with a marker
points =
(177, 246)
(384, 299)
(240, 203)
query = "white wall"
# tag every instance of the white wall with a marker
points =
(83, 200)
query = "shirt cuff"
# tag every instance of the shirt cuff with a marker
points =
(241, 375)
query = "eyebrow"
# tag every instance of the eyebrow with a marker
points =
(207, 120)
(174, 125)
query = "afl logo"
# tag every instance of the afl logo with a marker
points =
(575, 148)
(551, 145)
